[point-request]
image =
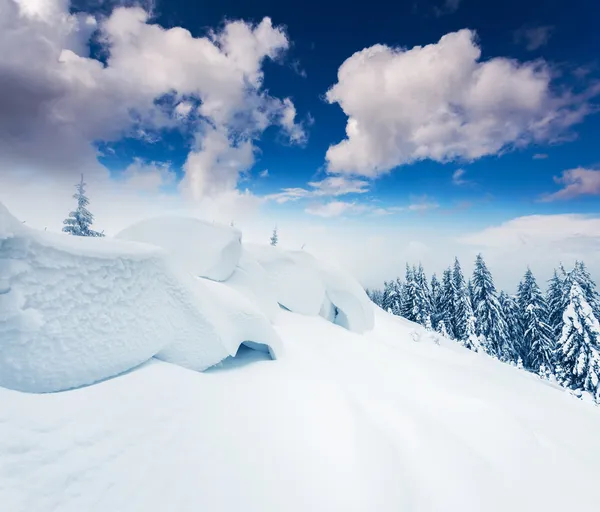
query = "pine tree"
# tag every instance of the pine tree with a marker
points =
(423, 298)
(464, 319)
(557, 300)
(446, 305)
(512, 315)
(436, 297)
(588, 287)
(491, 325)
(538, 345)
(81, 219)
(391, 297)
(409, 306)
(274, 238)
(579, 344)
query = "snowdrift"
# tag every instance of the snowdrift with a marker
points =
(308, 286)
(203, 249)
(76, 310)
(231, 320)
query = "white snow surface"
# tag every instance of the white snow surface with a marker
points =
(298, 288)
(231, 320)
(203, 249)
(76, 310)
(341, 422)
(308, 286)
(372, 414)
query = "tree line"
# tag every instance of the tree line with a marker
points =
(554, 334)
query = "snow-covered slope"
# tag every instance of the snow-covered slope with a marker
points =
(342, 422)
(360, 412)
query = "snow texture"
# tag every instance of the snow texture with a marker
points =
(203, 249)
(76, 310)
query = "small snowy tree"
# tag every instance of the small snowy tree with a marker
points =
(538, 345)
(464, 319)
(579, 344)
(491, 325)
(79, 221)
(274, 238)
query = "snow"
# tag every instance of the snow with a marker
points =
(231, 320)
(297, 287)
(354, 308)
(252, 280)
(76, 310)
(308, 286)
(203, 249)
(333, 405)
(341, 422)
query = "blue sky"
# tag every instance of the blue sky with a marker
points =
(486, 129)
(323, 35)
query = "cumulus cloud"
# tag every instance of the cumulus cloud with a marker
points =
(533, 37)
(56, 102)
(576, 182)
(442, 102)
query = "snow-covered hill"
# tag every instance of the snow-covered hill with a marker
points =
(361, 411)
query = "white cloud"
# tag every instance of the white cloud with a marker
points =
(264, 173)
(577, 182)
(334, 209)
(183, 109)
(56, 101)
(442, 102)
(533, 37)
(541, 241)
(540, 156)
(331, 186)
(458, 177)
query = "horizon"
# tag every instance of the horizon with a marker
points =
(480, 136)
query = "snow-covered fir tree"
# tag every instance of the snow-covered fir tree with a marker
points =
(557, 299)
(274, 238)
(579, 344)
(79, 221)
(490, 323)
(588, 286)
(423, 297)
(375, 295)
(512, 315)
(409, 303)
(538, 343)
(446, 306)
(436, 297)
(391, 297)
(464, 319)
